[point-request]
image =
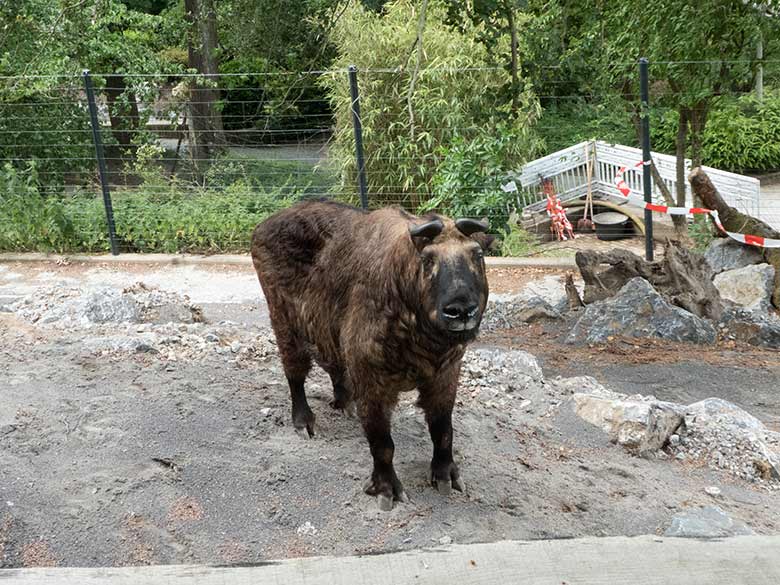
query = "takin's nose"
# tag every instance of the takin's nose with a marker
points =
(460, 311)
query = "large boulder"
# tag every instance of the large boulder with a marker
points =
(760, 329)
(726, 254)
(641, 424)
(638, 310)
(750, 287)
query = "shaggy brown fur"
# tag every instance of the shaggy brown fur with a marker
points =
(355, 292)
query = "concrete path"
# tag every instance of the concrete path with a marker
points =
(646, 560)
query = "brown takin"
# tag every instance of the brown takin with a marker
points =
(385, 302)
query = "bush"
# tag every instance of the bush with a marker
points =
(177, 219)
(468, 181)
(517, 241)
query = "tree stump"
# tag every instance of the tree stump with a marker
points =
(736, 221)
(682, 277)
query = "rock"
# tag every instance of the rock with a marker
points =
(640, 424)
(445, 540)
(306, 529)
(638, 310)
(706, 522)
(755, 328)
(507, 311)
(713, 491)
(235, 347)
(726, 254)
(492, 367)
(749, 287)
(212, 338)
(550, 289)
(722, 435)
(109, 306)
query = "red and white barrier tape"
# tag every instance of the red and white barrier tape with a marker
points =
(743, 238)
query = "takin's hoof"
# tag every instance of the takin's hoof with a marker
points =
(445, 478)
(303, 422)
(346, 406)
(386, 492)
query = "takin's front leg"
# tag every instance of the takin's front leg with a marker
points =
(437, 400)
(384, 483)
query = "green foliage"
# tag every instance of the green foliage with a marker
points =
(571, 122)
(741, 134)
(517, 241)
(701, 233)
(455, 98)
(468, 181)
(176, 218)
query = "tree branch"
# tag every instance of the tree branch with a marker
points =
(416, 70)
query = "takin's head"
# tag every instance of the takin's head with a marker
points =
(452, 273)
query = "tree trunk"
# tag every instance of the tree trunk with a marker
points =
(207, 137)
(124, 117)
(736, 221)
(513, 64)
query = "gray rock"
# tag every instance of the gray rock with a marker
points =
(507, 311)
(638, 423)
(755, 328)
(749, 287)
(550, 289)
(109, 306)
(707, 522)
(638, 310)
(726, 254)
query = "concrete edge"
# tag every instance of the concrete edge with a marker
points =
(240, 260)
(643, 560)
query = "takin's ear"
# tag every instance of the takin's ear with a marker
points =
(423, 233)
(486, 241)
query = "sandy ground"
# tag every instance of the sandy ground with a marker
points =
(134, 458)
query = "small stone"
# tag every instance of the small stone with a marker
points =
(306, 529)
(235, 347)
(713, 491)
(445, 540)
(212, 338)
(674, 440)
(680, 456)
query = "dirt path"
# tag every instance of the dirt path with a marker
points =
(186, 455)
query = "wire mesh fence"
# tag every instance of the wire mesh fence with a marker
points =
(193, 163)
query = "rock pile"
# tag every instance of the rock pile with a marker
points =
(66, 308)
(712, 432)
(723, 436)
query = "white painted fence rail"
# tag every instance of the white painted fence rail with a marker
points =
(568, 170)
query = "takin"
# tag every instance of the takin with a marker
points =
(385, 302)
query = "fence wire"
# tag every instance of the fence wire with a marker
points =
(193, 162)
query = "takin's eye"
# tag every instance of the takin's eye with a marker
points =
(428, 262)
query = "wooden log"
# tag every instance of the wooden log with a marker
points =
(683, 277)
(736, 221)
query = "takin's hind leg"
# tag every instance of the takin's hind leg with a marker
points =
(297, 363)
(342, 397)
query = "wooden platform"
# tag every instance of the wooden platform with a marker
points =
(753, 560)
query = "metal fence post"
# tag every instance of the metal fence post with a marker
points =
(101, 159)
(646, 157)
(358, 127)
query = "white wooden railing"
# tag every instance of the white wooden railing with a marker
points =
(568, 170)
